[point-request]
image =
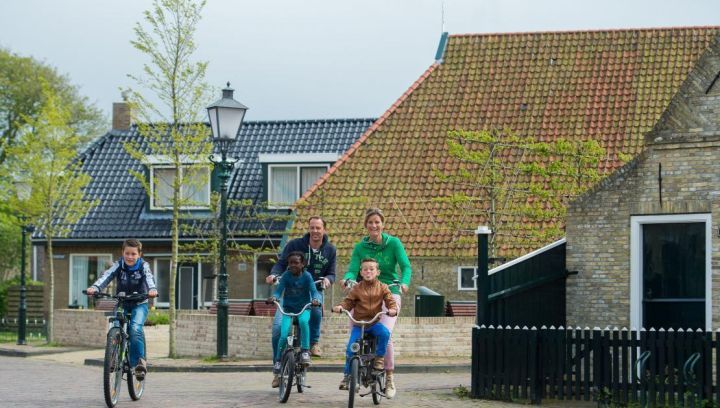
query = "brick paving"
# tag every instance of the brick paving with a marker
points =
(39, 381)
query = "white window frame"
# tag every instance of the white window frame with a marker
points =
(278, 206)
(636, 266)
(459, 278)
(70, 269)
(172, 167)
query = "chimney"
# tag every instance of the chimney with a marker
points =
(121, 115)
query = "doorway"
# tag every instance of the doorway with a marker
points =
(670, 271)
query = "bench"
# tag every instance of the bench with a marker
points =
(260, 308)
(235, 307)
(460, 308)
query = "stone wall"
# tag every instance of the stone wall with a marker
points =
(598, 225)
(86, 328)
(249, 336)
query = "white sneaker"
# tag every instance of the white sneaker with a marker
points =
(276, 368)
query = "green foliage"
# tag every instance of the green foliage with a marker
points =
(461, 391)
(505, 178)
(22, 97)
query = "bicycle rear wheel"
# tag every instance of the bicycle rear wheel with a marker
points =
(112, 367)
(378, 388)
(287, 373)
(136, 387)
(353, 381)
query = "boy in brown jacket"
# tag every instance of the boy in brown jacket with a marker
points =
(366, 300)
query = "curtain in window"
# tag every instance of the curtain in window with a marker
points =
(283, 185)
(163, 187)
(79, 281)
(197, 180)
(308, 177)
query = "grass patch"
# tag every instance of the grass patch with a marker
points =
(210, 359)
(461, 391)
(157, 317)
(11, 337)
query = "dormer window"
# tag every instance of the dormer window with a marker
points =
(289, 176)
(194, 192)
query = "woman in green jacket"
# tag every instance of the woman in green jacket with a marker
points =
(389, 252)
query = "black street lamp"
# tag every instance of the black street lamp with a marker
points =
(226, 116)
(23, 193)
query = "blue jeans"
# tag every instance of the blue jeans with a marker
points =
(315, 320)
(138, 315)
(381, 333)
(287, 327)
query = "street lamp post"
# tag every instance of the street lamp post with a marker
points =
(226, 116)
(23, 193)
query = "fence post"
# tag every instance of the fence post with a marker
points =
(482, 278)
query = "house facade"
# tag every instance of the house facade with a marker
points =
(611, 86)
(645, 242)
(277, 161)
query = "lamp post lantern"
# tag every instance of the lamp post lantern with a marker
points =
(226, 116)
(23, 194)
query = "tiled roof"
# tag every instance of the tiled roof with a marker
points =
(121, 212)
(611, 86)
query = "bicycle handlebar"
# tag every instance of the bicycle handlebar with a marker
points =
(291, 314)
(363, 322)
(120, 296)
(349, 283)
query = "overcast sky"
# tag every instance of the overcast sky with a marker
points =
(305, 59)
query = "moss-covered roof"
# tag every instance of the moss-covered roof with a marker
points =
(611, 86)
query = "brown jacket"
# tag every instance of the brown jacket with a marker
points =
(367, 299)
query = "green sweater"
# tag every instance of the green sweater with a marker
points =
(389, 254)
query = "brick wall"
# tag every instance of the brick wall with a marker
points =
(80, 328)
(249, 336)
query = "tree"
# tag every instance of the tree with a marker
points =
(515, 183)
(22, 98)
(44, 158)
(167, 38)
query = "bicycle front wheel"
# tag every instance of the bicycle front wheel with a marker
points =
(135, 387)
(112, 367)
(287, 372)
(353, 381)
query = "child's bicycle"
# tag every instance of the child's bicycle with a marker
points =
(291, 367)
(117, 361)
(363, 360)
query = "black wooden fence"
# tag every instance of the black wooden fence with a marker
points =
(529, 290)
(614, 367)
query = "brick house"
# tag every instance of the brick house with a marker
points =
(645, 241)
(610, 85)
(278, 160)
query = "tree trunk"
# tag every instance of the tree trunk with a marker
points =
(174, 265)
(51, 305)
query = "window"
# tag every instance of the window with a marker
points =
(194, 192)
(288, 182)
(466, 278)
(84, 271)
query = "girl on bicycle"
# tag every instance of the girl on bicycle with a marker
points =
(133, 276)
(297, 289)
(389, 253)
(366, 299)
